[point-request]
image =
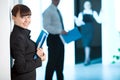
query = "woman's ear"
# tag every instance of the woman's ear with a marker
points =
(13, 17)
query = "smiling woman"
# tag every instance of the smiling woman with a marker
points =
(22, 47)
(21, 15)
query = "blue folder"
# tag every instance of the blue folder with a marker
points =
(40, 40)
(72, 35)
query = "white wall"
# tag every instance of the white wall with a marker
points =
(117, 14)
(5, 29)
(110, 35)
(4, 40)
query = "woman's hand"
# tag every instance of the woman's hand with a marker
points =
(41, 54)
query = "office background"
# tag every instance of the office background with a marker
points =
(109, 33)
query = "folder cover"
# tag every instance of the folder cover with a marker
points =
(72, 35)
(40, 40)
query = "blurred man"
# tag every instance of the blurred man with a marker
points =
(53, 23)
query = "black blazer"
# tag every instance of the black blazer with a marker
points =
(22, 50)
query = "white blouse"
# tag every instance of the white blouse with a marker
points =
(79, 21)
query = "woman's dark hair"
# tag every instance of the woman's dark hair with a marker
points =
(23, 9)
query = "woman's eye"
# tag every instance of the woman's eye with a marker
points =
(22, 16)
(29, 16)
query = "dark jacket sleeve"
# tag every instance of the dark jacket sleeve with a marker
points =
(22, 65)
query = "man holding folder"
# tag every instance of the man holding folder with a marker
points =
(53, 23)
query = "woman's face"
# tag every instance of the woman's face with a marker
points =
(87, 5)
(22, 21)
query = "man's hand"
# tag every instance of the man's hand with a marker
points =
(63, 32)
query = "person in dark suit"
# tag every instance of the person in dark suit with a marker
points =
(52, 22)
(22, 47)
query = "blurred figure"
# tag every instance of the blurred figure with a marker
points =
(85, 20)
(22, 47)
(53, 23)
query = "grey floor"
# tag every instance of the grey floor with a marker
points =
(95, 71)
